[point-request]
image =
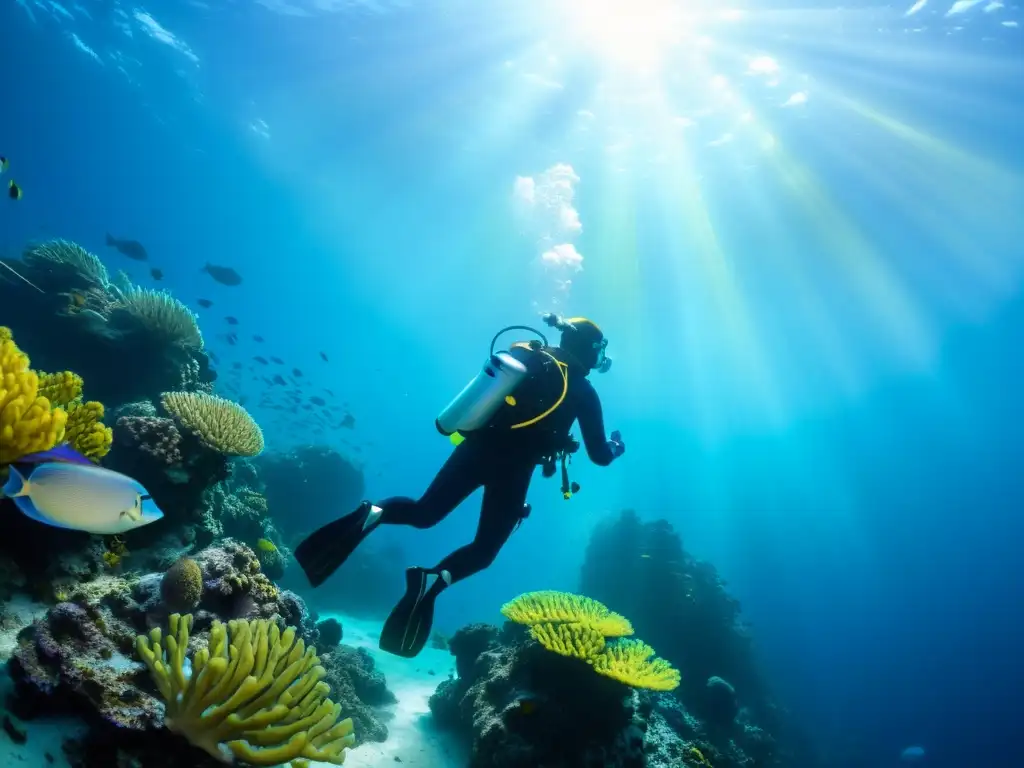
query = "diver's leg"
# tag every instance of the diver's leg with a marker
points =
(502, 509)
(408, 627)
(324, 551)
(461, 474)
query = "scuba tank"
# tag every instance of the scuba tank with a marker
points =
(481, 398)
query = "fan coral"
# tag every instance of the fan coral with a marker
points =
(576, 626)
(254, 693)
(28, 422)
(553, 606)
(220, 424)
(67, 255)
(85, 432)
(163, 315)
(182, 585)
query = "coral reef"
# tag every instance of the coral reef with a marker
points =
(181, 587)
(91, 324)
(522, 706)
(330, 632)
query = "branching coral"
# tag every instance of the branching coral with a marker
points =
(152, 435)
(163, 315)
(67, 255)
(254, 693)
(28, 421)
(220, 424)
(577, 626)
(553, 606)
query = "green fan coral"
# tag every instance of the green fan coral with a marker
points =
(162, 314)
(68, 254)
(255, 693)
(220, 424)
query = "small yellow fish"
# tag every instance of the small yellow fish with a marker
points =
(456, 439)
(13, 191)
(266, 545)
(645, 557)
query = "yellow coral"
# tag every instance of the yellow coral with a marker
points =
(219, 424)
(630, 662)
(60, 388)
(28, 422)
(574, 640)
(182, 585)
(254, 693)
(85, 432)
(564, 607)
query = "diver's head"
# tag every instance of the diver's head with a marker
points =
(582, 339)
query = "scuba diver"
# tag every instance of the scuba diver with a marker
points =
(515, 415)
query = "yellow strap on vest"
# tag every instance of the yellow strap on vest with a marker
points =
(562, 369)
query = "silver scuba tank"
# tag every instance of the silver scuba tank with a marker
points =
(479, 400)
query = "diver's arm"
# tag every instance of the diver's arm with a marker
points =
(591, 418)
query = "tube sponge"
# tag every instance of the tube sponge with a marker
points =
(255, 693)
(85, 432)
(220, 424)
(564, 607)
(28, 421)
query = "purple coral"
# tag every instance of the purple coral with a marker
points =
(153, 435)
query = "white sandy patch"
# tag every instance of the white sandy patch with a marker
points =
(16, 614)
(411, 734)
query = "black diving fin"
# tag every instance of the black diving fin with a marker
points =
(407, 629)
(325, 550)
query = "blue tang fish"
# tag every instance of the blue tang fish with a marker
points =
(64, 489)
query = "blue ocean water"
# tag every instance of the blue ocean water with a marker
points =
(800, 228)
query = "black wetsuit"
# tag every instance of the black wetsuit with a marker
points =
(502, 462)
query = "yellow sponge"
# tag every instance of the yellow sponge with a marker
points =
(60, 388)
(255, 693)
(85, 432)
(565, 607)
(28, 422)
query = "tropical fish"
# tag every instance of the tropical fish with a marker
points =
(258, 339)
(223, 275)
(133, 249)
(317, 400)
(156, 273)
(266, 545)
(324, 357)
(64, 489)
(4, 163)
(231, 320)
(13, 190)
(348, 421)
(296, 372)
(278, 379)
(204, 303)
(277, 360)
(260, 360)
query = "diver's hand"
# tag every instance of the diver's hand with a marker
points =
(618, 447)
